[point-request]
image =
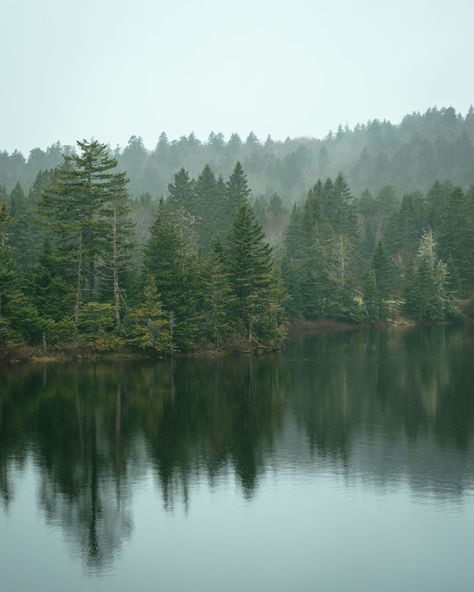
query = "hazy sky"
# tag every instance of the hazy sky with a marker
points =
(112, 68)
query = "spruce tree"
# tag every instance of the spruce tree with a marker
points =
(426, 283)
(218, 298)
(19, 320)
(181, 192)
(237, 190)
(171, 260)
(86, 210)
(383, 270)
(149, 328)
(207, 208)
(51, 295)
(22, 229)
(456, 235)
(251, 271)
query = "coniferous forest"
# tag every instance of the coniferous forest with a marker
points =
(96, 255)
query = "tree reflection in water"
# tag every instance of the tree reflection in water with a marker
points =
(382, 407)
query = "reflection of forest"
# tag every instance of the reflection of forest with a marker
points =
(380, 407)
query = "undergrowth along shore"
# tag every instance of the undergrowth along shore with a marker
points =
(75, 352)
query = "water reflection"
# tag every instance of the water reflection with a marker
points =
(379, 408)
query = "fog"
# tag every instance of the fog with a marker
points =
(113, 69)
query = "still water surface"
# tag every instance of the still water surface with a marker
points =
(346, 463)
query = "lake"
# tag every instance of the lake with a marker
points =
(346, 463)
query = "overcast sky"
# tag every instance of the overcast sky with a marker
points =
(112, 68)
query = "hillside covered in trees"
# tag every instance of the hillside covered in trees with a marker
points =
(438, 144)
(210, 266)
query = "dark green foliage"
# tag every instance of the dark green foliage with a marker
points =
(372, 298)
(437, 144)
(212, 278)
(22, 235)
(252, 275)
(95, 322)
(208, 208)
(237, 190)
(219, 299)
(455, 233)
(171, 260)
(149, 328)
(51, 295)
(86, 210)
(425, 284)
(19, 320)
(321, 262)
(181, 192)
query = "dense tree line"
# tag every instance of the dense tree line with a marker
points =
(438, 144)
(83, 263)
(376, 257)
(72, 270)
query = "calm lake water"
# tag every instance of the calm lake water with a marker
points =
(344, 464)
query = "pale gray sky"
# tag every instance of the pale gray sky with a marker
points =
(112, 68)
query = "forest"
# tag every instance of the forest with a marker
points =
(89, 264)
(410, 156)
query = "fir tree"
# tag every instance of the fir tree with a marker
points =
(208, 207)
(251, 270)
(51, 295)
(149, 329)
(172, 261)
(181, 192)
(84, 209)
(237, 190)
(218, 298)
(425, 284)
(383, 270)
(22, 229)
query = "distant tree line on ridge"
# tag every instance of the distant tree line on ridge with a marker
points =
(438, 144)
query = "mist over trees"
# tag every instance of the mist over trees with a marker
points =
(213, 264)
(438, 144)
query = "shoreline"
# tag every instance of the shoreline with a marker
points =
(36, 353)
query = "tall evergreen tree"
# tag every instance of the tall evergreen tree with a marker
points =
(181, 192)
(218, 298)
(237, 190)
(84, 209)
(425, 284)
(171, 261)
(251, 271)
(149, 323)
(22, 229)
(207, 208)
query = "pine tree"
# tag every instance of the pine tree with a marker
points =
(22, 229)
(456, 235)
(84, 209)
(251, 270)
(118, 246)
(8, 272)
(19, 320)
(171, 260)
(372, 297)
(182, 193)
(51, 295)
(237, 190)
(207, 208)
(150, 329)
(96, 320)
(425, 284)
(384, 271)
(218, 298)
